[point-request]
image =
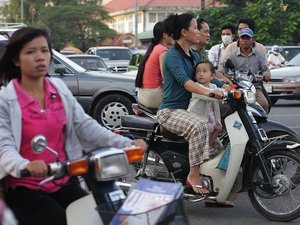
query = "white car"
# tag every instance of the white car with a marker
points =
(115, 57)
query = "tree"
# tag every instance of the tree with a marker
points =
(78, 21)
(273, 24)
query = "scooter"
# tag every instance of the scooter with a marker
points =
(100, 168)
(268, 169)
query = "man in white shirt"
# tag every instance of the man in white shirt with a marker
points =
(216, 51)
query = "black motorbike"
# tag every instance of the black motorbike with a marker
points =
(267, 168)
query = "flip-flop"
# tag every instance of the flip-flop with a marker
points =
(219, 204)
(193, 186)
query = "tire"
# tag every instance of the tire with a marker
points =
(273, 100)
(109, 110)
(282, 202)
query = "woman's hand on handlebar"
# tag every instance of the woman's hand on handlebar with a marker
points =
(37, 168)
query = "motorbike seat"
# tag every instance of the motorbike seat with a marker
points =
(140, 123)
(167, 134)
(149, 110)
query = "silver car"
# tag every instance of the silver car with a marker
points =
(115, 57)
(285, 81)
(105, 97)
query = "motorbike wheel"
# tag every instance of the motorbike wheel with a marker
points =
(280, 203)
(155, 167)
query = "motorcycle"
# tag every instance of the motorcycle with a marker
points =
(268, 169)
(100, 168)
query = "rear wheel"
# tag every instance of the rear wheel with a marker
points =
(281, 201)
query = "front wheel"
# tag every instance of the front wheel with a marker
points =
(281, 201)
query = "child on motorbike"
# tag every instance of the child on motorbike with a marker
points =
(206, 108)
(32, 103)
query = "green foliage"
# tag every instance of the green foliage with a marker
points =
(78, 21)
(273, 24)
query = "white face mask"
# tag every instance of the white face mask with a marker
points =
(226, 39)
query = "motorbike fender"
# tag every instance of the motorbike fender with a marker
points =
(282, 144)
(83, 211)
(270, 125)
(223, 182)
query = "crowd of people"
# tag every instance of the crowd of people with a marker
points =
(176, 76)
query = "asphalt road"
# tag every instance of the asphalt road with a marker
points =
(243, 213)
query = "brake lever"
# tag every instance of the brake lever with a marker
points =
(45, 181)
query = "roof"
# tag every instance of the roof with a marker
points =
(117, 5)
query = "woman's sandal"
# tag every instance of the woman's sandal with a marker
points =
(192, 187)
(225, 204)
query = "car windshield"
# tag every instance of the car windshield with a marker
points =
(69, 61)
(90, 63)
(114, 54)
(294, 61)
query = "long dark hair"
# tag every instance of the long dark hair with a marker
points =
(8, 69)
(158, 31)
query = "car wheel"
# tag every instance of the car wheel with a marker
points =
(109, 110)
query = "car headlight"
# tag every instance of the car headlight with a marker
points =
(293, 79)
(110, 164)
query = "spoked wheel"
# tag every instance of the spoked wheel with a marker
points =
(155, 167)
(282, 201)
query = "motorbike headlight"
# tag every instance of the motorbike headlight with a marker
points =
(249, 97)
(293, 79)
(110, 164)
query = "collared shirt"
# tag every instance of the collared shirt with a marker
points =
(253, 62)
(215, 54)
(49, 122)
(178, 69)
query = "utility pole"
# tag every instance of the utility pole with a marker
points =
(22, 11)
(136, 39)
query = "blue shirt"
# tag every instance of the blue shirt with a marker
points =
(178, 69)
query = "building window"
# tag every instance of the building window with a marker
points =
(161, 16)
(152, 17)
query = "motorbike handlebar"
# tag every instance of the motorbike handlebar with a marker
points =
(26, 173)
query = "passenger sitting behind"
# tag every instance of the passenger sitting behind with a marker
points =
(149, 78)
(206, 108)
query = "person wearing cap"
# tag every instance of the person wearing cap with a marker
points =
(243, 23)
(275, 59)
(246, 58)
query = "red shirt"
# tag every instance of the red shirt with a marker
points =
(152, 77)
(49, 122)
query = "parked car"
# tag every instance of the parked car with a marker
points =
(89, 62)
(115, 57)
(105, 97)
(285, 81)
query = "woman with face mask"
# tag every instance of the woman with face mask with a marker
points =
(216, 51)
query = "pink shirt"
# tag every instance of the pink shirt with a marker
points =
(49, 122)
(152, 77)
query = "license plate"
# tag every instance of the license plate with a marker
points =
(269, 88)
